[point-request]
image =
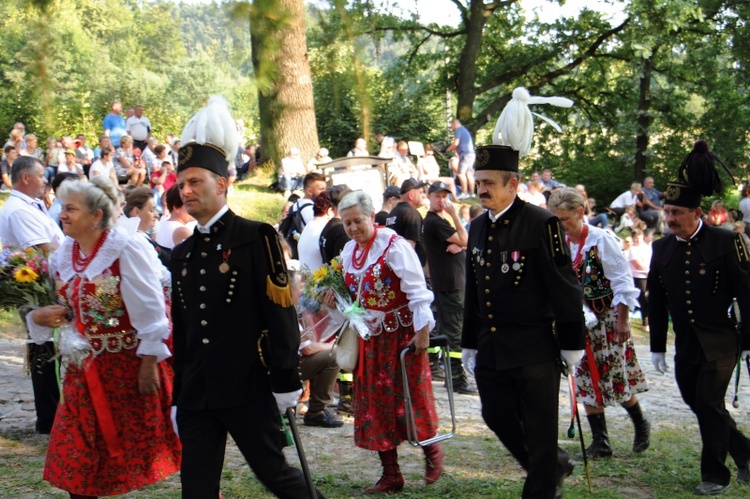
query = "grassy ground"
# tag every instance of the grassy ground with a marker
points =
(477, 465)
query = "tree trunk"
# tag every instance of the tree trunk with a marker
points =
(467, 70)
(282, 70)
(644, 121)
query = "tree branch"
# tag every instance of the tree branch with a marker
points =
(431, 31)
(415, 49)
(463, 11)
(497, 104)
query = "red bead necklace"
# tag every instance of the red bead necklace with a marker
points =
(79, 262)
(578, 260)
(359, 261)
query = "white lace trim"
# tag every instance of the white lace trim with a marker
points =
(116, 241)
(616, 267)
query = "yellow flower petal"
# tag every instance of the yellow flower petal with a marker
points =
(25, 274)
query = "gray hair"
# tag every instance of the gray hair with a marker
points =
(97, 194)
(565, 199)
(359, 199)
(24, 164)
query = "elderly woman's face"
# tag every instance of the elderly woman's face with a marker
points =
(76, 219)
(572, 220)
(358, 227)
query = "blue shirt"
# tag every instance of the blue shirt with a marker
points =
(465, 142)
(116, 126)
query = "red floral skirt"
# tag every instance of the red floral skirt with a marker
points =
(79, 456)
(379, 409)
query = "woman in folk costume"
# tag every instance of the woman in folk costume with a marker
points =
(113, 432)
(384, 276)
(609, 373)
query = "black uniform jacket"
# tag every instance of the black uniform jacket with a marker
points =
(519, 280)
(695, 282)
(226, 286)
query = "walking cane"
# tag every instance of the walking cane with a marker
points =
(572, 428)
(734, 313)
(574, 404)
(292, 417)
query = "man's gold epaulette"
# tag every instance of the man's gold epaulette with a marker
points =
(278, 288)
(741, 249)
(558, 248)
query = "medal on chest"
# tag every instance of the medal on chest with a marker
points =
(504, 268)
(515, 255)
(224, 265)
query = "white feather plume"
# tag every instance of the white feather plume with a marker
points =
(515, 126)
(213, 125)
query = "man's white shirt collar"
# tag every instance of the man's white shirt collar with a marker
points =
(494, 218)
(700, 224)
(205, 229)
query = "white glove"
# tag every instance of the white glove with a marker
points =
(571, 358)
(745, 355)
(173, 417)
(286, 400)
(469, 359)
(589, 317)
(659, 360)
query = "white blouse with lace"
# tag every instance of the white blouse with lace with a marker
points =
(616, 267)
(405, 264)
(140, 286)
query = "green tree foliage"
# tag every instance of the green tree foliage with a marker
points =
(646, 83)
(62, 62)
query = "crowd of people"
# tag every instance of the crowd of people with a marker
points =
(156, 277)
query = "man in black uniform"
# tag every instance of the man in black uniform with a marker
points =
(406, 220)
(696, 272)
(230, 286)
(519, 280)
(445, 245)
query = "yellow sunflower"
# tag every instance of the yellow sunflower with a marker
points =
(319, 274)
(336, 264)
(25, 274)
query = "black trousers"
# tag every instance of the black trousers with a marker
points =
(521, 406)
(256, 429)
(450, 316)
(44, 385)
(640, 283)
(703, 387)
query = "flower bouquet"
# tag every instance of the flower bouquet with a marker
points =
(25, 283)
(331, 276)
(25, 279)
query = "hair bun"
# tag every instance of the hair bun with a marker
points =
(701, 147)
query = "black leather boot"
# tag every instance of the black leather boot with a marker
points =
(642, 439)
(600, 447)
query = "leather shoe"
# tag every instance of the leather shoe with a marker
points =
(565, 468)
(464, 387)
(323, 420)
(710, 489)
(743, 474)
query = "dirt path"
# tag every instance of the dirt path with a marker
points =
(662, 404)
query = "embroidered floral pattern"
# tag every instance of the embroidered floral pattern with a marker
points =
(78, 459)
(379, 410)
(620, 375)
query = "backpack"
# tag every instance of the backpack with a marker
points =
(291, 227)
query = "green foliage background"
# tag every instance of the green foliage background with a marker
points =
(375, 67)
